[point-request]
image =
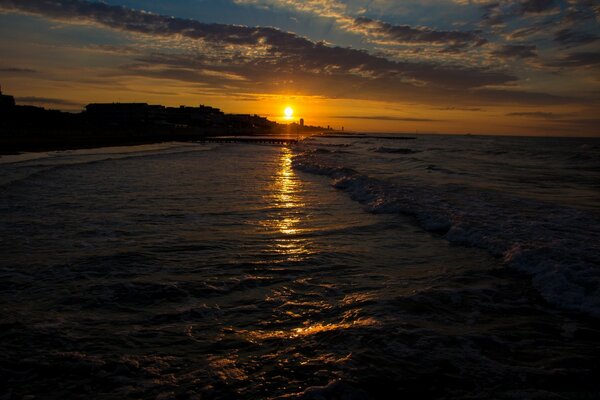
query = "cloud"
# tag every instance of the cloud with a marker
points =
(530, 31)
(384, 118)
(377, 31)
(534, 114)
(567, 37)
(18, 70)
(457, 109)
(46, 100)
(576, 14)
(234, 59)
(516, 51)
(588, 122)
(499, 96)
(579, 59)
(324, 8)
(401, 34)
(263, 47)
(579, 12)
(498, 12)
(536, 6)
(562, 120)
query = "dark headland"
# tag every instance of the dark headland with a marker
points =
(30, 128)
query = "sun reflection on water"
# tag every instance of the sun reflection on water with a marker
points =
(286, 227)
(286, 200)
(286, 185)
(308, 329)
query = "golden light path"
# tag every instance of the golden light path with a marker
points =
(286, 194)
(309, 329)
(287, 204)
(286, 189)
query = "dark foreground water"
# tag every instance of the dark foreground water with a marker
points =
(225, 272)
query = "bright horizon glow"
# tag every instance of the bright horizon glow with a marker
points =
(289, 112)
(506, 81)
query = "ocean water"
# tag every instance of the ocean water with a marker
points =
(350, 267)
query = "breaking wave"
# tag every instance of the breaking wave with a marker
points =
(558, 246)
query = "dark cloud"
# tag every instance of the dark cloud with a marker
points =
(534, 114)
(568, 37)
(408, 34)
(46, 100)
(536, 6)
(112, 49)
(457, 109)
(531, 30)
(578, 124)
(260, 77)
(588, 122)
(497, 13)
(561, 120)
(521, 97)
(575, 15)
(516, 51)
(18, 70)
(284, 51)
(580, 59)
(384, 118)
(304, 81)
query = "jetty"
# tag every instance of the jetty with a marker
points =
(255, 140)
(367, 136)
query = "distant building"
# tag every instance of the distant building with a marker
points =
(143, 115)
(118, 114)
(301, 122)
(5, 100)
(240, 121)
(202, 116)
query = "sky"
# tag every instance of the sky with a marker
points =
(510, 67)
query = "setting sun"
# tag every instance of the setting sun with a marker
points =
(289, 111)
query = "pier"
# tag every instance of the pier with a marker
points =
(257, 140)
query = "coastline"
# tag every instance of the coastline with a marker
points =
(76, 143)
(33, 129)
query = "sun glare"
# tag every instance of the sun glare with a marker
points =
(289, 111)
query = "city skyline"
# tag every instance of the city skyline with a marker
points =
(528, 67)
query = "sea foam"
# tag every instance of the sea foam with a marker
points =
(558, 246)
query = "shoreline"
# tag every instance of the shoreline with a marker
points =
(37, 147)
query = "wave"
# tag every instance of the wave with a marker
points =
(25, 170)
(558, 246)
(315, 142)
(320, 150)
(393, 150)
(432, 167)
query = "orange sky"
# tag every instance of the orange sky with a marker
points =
(493, 71)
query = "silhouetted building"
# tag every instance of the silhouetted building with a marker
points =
(202, 116)
(5, 100)
(118, 114)
(32, 128)
(246, 121)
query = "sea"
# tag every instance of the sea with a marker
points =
(347, 266)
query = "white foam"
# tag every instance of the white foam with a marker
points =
(558, 246)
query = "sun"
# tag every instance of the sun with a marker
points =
(289, 111)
